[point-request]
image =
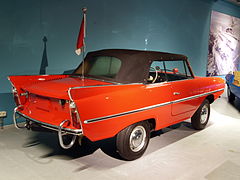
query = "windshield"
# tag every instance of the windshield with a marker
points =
(101, 66)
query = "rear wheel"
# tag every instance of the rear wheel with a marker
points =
(231, 96)
(200, 118)
(132, 141)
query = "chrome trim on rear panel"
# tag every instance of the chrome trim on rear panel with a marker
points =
(78, 115)
(69, 94)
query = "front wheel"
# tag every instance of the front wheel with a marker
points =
(200, 118)
(132, 141)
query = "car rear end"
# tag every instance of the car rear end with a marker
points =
(50, 112)
(46, 101)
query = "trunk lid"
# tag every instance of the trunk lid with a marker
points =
(58, 88)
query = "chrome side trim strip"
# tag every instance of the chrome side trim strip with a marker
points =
(126, 113)
(105, 85)
(92, 78)
(52, 127)
(196, 96)
(103, 80)
(149, 107)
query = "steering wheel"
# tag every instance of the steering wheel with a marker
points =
(156, 74)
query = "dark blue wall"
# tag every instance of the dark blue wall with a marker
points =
(172, 26)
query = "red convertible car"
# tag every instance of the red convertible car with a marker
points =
(124, 94)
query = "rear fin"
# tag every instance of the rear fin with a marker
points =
(20, 82)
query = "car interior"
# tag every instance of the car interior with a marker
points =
(160, 71)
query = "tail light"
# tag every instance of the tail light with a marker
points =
(20, 97)
(15, 96)
(74, 115)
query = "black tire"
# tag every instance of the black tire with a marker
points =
(200, 118)
(129, 136)
(231, 96)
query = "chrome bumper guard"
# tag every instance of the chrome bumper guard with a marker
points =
(60, 129)
(60, 136)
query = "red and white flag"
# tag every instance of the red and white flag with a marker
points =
(82, 34)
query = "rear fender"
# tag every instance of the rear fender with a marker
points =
(109, 128)
(113, 107)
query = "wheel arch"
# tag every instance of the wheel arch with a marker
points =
(210, 98)
(152, 123)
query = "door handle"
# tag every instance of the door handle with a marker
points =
(176, 93)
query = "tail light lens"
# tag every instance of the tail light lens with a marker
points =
(15, 96)
(74, 115)
(20, 97)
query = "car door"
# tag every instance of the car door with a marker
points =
(184, 100)
(184, 88)
(158, 91)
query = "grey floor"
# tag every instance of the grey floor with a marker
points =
(173, 153)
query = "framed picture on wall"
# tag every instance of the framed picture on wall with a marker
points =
(224, 44)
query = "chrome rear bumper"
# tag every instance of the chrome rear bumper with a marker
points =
(60, 129)
(48, 126)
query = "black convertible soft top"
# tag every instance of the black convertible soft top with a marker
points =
(135, 63)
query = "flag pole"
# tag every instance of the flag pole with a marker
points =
(84, 10)
(81, 46)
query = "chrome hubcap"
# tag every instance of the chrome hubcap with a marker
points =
(204, 114)
(137, 138)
